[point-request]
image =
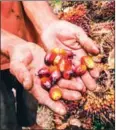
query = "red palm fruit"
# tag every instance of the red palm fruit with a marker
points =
(46, 83)
(57, 59)
(55, 76)
(65, 64)
(88, 61)
(53, 68)
(49, 58)
(67, 74)
(55, 93)
(80, 69)
(69, 54)
(44, 72)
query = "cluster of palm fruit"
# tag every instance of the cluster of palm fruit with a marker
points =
(59, 65)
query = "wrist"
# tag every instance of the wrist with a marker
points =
(40, 14)
(48, 22)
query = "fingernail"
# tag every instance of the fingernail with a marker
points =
(62, 111)
(95, 49)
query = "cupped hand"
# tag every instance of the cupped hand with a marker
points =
(25, 61)
(65, 35)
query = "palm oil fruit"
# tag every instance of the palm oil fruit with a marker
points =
(55, 76)
(46, 83)
(88, 61)
(67, 74)
(64, 64)
(49, 58)
(55, 93)
(44, 72)
(80, 69)
(57, 59)
(69, 53)
(56, 50)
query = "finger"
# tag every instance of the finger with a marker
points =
(89, 81)
(22, 74)
(87, 43)
(70, 84)
(79, 80)
(95, 72)
(72, 44)
(79, 54)
(43, 97)
(70, 94)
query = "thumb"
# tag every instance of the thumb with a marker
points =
(20, 71)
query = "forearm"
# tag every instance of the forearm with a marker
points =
(8, 42)
(39, 13)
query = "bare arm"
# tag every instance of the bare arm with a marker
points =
(39, 13)
(8, 42)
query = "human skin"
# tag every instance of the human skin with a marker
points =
(25, 56)
(24, 64)
(59, 33)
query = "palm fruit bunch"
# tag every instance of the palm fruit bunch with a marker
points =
(59, 65)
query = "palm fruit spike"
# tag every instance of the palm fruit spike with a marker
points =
(46, 83)
(49, 58)
(55, 93)
(44, 72)
(88, 61)
(80, 69)
(65, 64)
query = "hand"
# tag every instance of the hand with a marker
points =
(66, 35)
(25, 61)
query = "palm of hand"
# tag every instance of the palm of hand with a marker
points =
(65, 35)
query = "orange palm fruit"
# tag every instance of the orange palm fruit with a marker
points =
(88, 61)
(56, 50)
(46, 83)
(57, 59)
(55, 93)
(59, 51)
(80, 69)
(53, 68)
(65, 64)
